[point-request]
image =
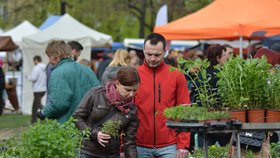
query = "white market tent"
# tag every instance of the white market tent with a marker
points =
(22, 30)
(66, 28)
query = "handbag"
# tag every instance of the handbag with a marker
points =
(251, 140)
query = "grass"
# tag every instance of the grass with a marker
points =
(13, 125)
(14, 121)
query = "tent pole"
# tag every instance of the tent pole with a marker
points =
(241, 46)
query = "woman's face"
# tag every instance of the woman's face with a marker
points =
(53, 60)
(225, 55)
(127, 92)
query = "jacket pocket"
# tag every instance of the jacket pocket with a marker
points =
(99, 111)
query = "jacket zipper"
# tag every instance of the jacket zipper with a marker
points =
(154, 78)
(159, 91)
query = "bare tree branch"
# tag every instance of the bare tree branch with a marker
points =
(134, 7)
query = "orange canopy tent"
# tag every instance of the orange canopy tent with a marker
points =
(226, 19)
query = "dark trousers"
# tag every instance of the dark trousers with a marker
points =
(2, 102)
(84, 155)
(36, 105)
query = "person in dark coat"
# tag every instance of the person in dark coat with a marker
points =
(2, 87)
(110, 102)
(216, 54)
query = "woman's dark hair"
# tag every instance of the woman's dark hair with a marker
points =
(128, 76)
(213, 52)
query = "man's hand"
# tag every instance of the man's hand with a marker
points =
(40, 115)
(182, 153)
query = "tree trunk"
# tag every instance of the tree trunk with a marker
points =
(142, 19)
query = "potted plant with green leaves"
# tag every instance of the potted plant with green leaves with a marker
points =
(196, 70)
(273, 96)
(112, 128)
(185, 113)
(206, 97)
(242, 85)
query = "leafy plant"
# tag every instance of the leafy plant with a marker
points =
(275, 150)
(9, 148)
(191, 113)
(242, 83)
(196, 70)
(112, 128)
(214, 151)
(48, 139)
(273, 90)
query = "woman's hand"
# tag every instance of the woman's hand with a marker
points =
(103, 138)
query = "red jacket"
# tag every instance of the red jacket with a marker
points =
(159, 89)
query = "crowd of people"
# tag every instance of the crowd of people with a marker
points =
(128, 89)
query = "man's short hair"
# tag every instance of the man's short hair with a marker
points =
(75, 45)
(155, 38)
(37, 58)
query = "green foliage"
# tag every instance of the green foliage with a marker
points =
(275, 150)
(243, 83)
(196, 70)
(184, 113)
(11, 146)
(47, 139)
(194, 5)
(112, 128)
(120, 22)
(273, 90)
(214, 151)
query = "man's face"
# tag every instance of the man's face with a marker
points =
(75, 54)
(35, 62)
(154, 54)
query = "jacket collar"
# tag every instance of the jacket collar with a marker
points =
(66, 60)
(158, 68)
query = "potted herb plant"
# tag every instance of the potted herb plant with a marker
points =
(273, 96)
(242, 85)
(196, 70)
(185, 113)
(112, 128)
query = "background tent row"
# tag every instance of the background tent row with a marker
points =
(66, 28)
(22, 30)
(226, 19)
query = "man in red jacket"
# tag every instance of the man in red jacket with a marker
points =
(160, 88)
